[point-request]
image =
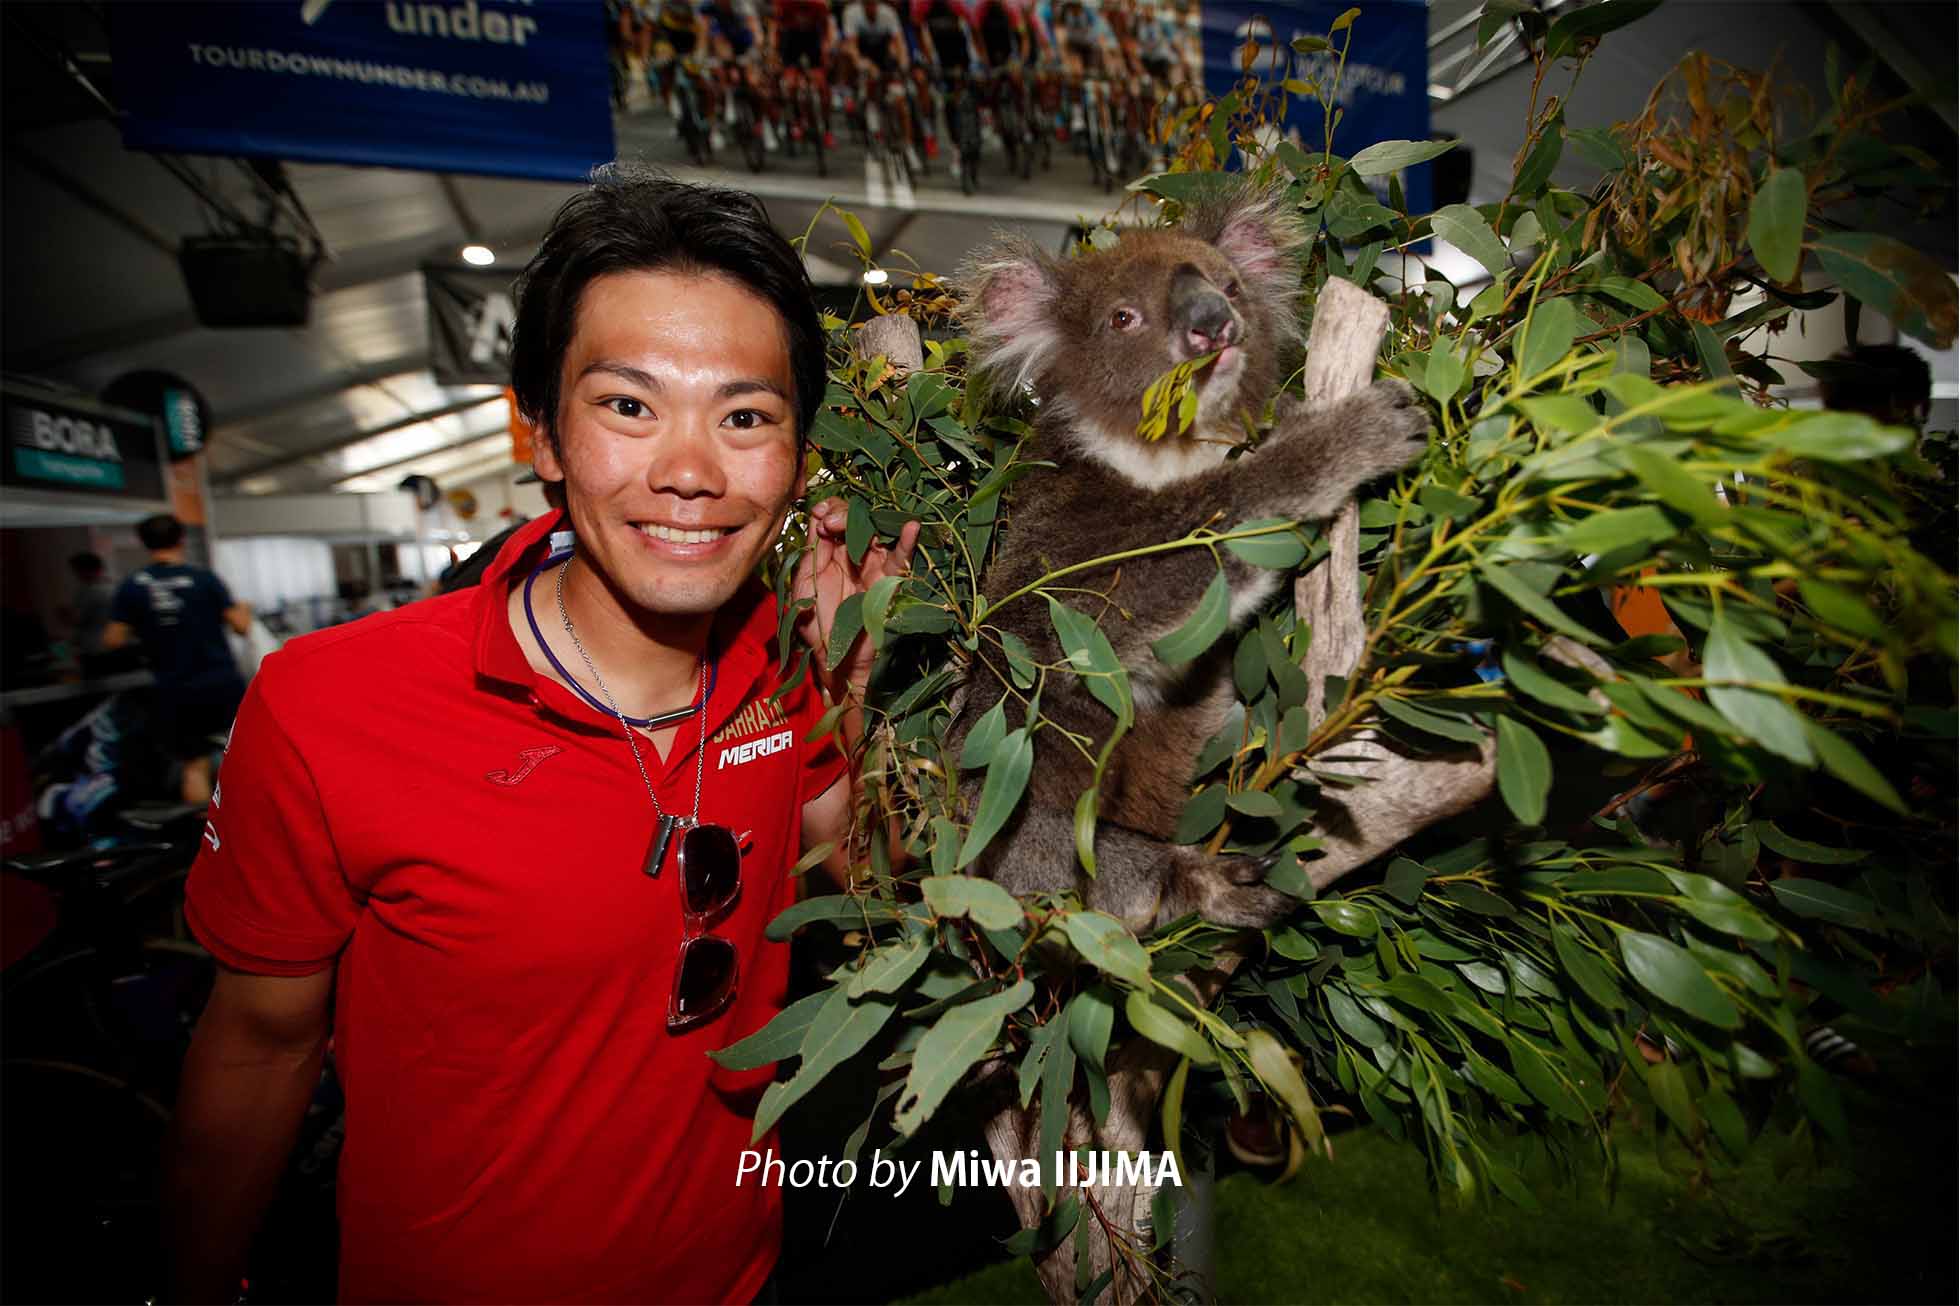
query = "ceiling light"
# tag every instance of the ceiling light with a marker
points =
(478, 256)
(876, 276)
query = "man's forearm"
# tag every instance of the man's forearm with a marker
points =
(238, 1112)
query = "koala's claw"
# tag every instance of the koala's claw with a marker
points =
(1391, 424)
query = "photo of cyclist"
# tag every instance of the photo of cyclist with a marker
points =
(735, 41)
(1121, 18)
(734, 28)
(674, 76)
(802, 31)
(946, 37)
(875, 36)
(1157, 33)
(1004, 35)
(802, 37)
(1083, 40)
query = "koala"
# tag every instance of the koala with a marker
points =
(1089, 335)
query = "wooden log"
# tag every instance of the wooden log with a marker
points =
(897, 338)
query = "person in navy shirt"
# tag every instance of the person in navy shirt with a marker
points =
(180, 612)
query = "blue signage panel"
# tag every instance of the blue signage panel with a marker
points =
(512, 87)
(1384, 90)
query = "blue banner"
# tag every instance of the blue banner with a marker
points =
(1384, 89)
(516, 88)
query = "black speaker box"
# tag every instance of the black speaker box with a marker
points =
(246, 281)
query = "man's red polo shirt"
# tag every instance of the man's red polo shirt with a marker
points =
(406, 800)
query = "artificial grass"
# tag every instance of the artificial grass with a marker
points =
(1869, 1222)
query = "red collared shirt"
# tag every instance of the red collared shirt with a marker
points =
(406, 800)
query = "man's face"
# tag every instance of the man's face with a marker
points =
(677, 434)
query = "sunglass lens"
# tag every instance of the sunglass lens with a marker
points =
(706, 980)
(712, 868)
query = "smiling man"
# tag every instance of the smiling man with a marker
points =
(514, 847)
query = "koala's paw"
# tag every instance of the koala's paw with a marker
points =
(1390, 428)
(1233, 891)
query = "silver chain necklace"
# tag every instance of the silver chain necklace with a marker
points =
(663, 832)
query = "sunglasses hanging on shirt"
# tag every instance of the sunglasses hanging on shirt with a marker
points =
(707, 972)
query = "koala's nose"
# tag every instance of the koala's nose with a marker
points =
(1202, 317)
(1212, 325)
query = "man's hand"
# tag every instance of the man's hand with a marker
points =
(827, 575)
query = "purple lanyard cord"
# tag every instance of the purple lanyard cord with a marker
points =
(639, 723)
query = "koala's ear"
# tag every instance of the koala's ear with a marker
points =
(1010, 293)
(1258, 229)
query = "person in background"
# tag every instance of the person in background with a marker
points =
(88, 615)
(514, 848)
(180, 613)
(1889, 383)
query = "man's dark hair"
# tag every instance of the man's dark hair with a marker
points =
(85, 565)
(160, 532)
(633, 219)
(1889, 382)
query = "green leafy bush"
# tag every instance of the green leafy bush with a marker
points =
(1701, 845)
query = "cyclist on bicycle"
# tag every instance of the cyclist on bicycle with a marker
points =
(945, 33)
(1083, 40)
(1087, 50)
(734, 28)
(735, 38)
(801, 36)
(875, 36)
(1005, 38)
(1157, 33)
(679, 33)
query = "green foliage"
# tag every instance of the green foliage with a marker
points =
(1701, 843)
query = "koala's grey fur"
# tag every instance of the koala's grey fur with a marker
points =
(1089, 335)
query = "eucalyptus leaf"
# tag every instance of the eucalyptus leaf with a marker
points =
(983, 902)
(845, 628)
(1776, 219)
(839, 1031)
(1524, 770)
(956, 1040)
(1384, 157)
(877, 602)
(1278, 550)
(1202, 628)
(1107, 944)
(1905, 285)
(1533, 680)
(1670, 973)
(1165, 1029)
(1549, 334)
(1091, 1016)
(1825, 901)
(887, 968)
(1465, 228)
(984, 739)
(1007, 780)
(1737, 668)
(780, 1038)
(1506, 581)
